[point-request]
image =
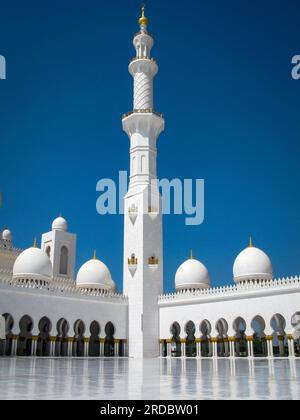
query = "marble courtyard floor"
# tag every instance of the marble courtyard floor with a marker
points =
(157, 379)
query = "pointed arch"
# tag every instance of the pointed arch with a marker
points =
(64, 261)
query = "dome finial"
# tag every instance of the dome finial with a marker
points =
(143, 21)
(35, 243)
(95, 255)
(250, 242)
(191, 255)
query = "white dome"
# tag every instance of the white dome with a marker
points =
(252, 264)
(33, 263)
(7, 235)
(60, 224)
(94, 274)
(192, 274)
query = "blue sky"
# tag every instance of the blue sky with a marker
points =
(232, 118)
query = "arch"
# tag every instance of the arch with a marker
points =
(64, 260)
(258, 326)
(133, 165)
(78, 343)
(25, 336)
(6, 345)
(48, 251)
(109, 343)
(190, 345)
(94, 345)
(43, 343)
(240, 326)
(206, 347)
(222, 329)
(295, 321)
(280, 343)
(61, 342)
(176, 341)
(143, 164)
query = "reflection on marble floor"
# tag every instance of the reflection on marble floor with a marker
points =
(176, 379)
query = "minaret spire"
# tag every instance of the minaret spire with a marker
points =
(143, 281)
(250, 242)
(143, 21)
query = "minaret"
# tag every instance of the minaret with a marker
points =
(143, 255)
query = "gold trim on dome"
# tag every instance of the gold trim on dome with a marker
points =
(250, 242)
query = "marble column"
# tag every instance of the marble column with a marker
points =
(183, 349)
(101, 347)
(231, 346)
(52, 346)
(198, 347)
(33, 345)
(116, 349)
(86, 346)
(214, 342)
(226, 347)
(269, 339)
(250, 346)
(290, 339)
(169, 344)
(14, 345)
(161, 348)
(70, 347)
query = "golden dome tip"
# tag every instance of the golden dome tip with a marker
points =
(143, 21)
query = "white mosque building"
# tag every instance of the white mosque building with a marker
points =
(47, 310)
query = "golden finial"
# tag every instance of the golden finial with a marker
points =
(95, 255)
(143, 21)
(250, 242)
(191, 255)
(35, 243)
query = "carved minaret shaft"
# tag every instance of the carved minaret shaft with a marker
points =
(143, 256)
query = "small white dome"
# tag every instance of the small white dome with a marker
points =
(94, 274)
(60, 224)
(252, 264)
(7, 235)
(192, 274)
(33, 263)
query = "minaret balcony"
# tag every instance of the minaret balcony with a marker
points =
(143, 58)
(145, 65)
(143, 111)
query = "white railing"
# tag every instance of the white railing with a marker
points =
(230, 290)
(4, 247)
(57, 286)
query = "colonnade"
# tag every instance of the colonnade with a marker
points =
(286, 346)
